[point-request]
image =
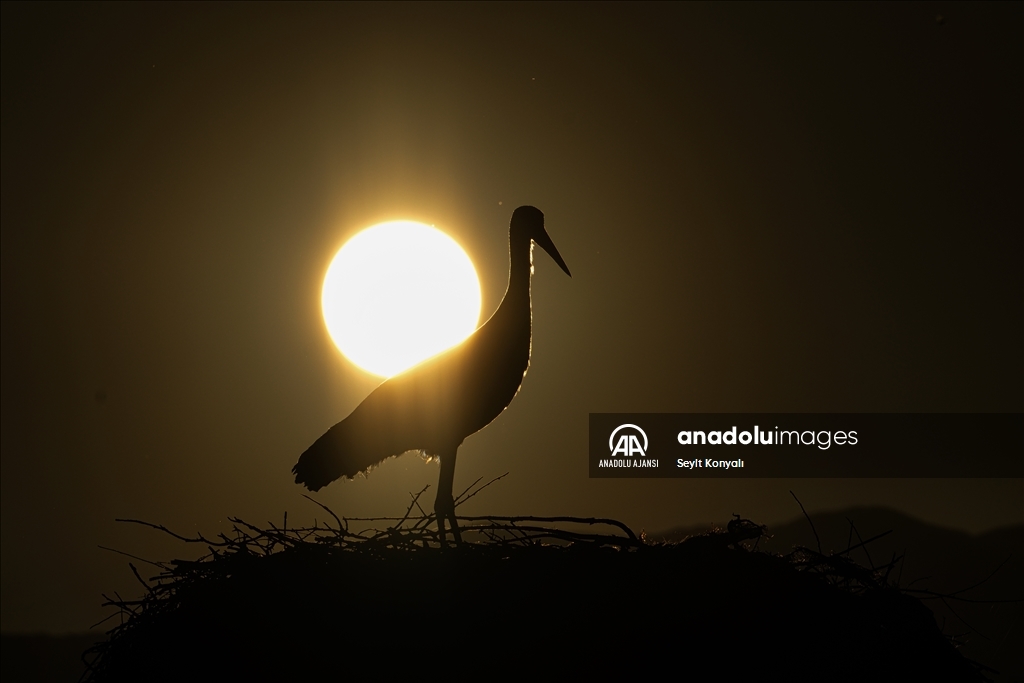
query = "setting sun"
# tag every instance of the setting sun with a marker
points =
(398, 293)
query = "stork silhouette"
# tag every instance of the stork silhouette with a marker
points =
(434, 406)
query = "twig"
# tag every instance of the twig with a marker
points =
(808, 519)
(415, 499)
(106, 618)
(864, 543)
(136, 572)
(1001, 565)
(577, 520)
(964, 621)
(134, 557)
(932, 595)
(892, 563)
(341, 526)
(167, 531)
(466, 490)
(420, 507)
(459, 501)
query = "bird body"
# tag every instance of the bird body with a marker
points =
(435, 405)
(431, 407)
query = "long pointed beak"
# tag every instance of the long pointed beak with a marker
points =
(545, 243)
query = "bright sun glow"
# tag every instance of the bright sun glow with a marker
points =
(399, 293)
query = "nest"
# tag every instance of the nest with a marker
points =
(525, 595)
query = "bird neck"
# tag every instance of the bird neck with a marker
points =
(520, 251)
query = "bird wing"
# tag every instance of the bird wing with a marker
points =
(418, 409)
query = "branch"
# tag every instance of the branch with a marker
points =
(808, 519)
(864, 543)
(167, 531)
(161, 565)
(341, 526)
(415, 502)
(459, 501)
(576, 520)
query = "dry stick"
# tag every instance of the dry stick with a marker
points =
(388, 537)
(122, 610)
(466, 490)
(250, 527)
(505, 535)
(892, 563)
(424, 521)
(964, 590)
(567, 535)
(161, 527)
(540, 535)
(372, 519)
(863, 544)
(94, 650)
(459, 501)
(808, 520)
(415, 498)
(330, 512)
(420, 521)
(134, 557)
(416, 501)
(136, 572)
(124, 604)
(963, 620)
(888, 568)
(521, 534)
(106, 618)
(932, 595)
(578, 520)
(513, 534)
(493, 536)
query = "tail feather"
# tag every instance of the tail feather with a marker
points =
(341, 452)
(393, 419)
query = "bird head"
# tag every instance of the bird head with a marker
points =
(528, 222)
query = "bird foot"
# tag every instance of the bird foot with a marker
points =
(445, 510)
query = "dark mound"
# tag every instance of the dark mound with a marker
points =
(521, 596)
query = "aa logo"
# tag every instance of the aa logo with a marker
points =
(627, 444)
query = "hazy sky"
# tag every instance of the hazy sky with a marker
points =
(765, 208)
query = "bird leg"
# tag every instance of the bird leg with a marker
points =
(444, 504)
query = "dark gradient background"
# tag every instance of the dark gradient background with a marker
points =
(766, 208)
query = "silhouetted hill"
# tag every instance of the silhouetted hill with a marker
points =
(937, 559)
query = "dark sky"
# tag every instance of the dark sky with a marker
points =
(766, 208)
